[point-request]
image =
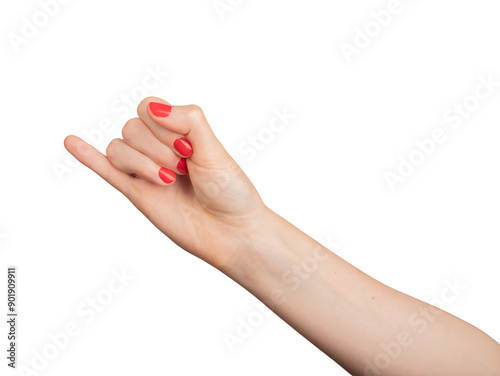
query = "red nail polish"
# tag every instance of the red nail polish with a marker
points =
(182, 166)
(166, 175)
(160, 109)
(183, 146)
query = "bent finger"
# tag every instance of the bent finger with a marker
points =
(140, 137)
(185, 121)
(133, 162)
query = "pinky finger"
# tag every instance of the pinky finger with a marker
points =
(99, 163)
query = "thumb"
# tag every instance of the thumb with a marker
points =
(184, 121)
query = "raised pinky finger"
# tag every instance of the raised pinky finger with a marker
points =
(133, 162)
(97, 162)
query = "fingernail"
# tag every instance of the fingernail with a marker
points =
(166, 175)
(182, 166)
(183, 146)
(160, 109)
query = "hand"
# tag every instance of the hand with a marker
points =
(214, 212)
(208, 208)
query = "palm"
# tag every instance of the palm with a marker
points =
(200, 210)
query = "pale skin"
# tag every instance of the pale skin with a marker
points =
(215, 213)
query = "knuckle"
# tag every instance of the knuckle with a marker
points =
(194, 112)
(131, 129)
(112, 149)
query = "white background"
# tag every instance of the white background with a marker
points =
(324, 172)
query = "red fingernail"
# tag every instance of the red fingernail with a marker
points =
(183, 146)
(166, 175)
(160, 109)
(182, 166)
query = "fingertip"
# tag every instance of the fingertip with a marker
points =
(68, 141)
(159, 110)
(143, 106)
(182, 166)
(183, 147)
(76, 146)
(167, 176)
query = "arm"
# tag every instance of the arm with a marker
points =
(362, 324)
(175, 171)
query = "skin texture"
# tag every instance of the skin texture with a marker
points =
(215, 213)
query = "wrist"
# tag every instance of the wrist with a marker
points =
(278, 261)
(252, 239)
(269, 248)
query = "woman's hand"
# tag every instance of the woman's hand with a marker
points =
(215, 213)
(210, 208)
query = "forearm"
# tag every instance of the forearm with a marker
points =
(352, 317)
(217, 215)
